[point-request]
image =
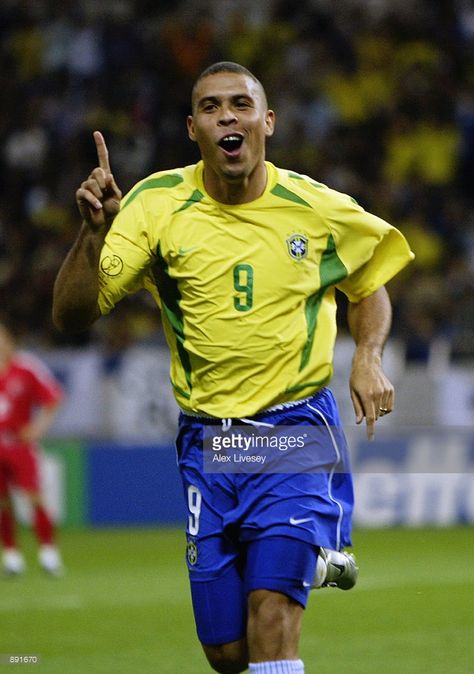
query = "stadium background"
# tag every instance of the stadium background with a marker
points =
(374, 98)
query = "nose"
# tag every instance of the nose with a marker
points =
(227, 117)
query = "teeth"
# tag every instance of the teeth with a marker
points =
(232, 138)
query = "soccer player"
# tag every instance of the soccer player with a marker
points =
(29, 399)
(243, 259)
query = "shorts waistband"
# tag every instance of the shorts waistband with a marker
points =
(205, 418)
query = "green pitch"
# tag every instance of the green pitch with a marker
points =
(123, 607)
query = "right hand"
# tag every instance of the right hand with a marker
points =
(98, 198)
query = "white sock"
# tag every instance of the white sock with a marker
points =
(277, 667)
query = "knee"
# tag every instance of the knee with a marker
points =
(270, 608)
(35, 498)
(227, 658)
(274, 626)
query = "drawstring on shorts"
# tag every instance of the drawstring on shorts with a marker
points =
(227, 423)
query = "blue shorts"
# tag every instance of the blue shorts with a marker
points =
(259, 531)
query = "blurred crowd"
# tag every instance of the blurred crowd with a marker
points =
(374, 98)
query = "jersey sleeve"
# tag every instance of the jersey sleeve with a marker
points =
(126, 255)
(372, 250)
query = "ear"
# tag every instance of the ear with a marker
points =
(190, 125)
(269, 123)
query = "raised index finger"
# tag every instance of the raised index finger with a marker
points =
(102, 152)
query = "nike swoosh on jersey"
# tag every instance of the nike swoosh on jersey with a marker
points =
(293, 520)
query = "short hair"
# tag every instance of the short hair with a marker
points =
(227, 67)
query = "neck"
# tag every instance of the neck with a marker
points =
(236, 190)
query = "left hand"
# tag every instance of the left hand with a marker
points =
(372, 393)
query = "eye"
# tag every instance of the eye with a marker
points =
(208, 105)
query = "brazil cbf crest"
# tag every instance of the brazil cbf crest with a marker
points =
(297, 246)
(191, 552)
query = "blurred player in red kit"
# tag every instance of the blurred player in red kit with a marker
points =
(29, 399)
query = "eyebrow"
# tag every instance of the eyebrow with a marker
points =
(217, 99)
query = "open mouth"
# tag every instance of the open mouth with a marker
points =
(231, 144)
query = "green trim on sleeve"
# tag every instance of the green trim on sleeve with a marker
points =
(298, 176)
(168, 180)
(284, 193)
(195, 198)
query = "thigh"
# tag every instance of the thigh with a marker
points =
(215, 564)
(214, 558)
(25, 468)
(281, 564)
(312, 506)
(210, 549)
(278, 577)
(303, 506)
(220, 607)
(4, 476)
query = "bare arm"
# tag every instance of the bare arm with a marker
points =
(36, 429)
(76, 288)
(371, 392)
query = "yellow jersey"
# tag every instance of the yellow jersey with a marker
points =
(246, 291)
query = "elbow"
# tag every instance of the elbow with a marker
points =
(62, 324)
(62, 319)
(58, 319)
(73, 321)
